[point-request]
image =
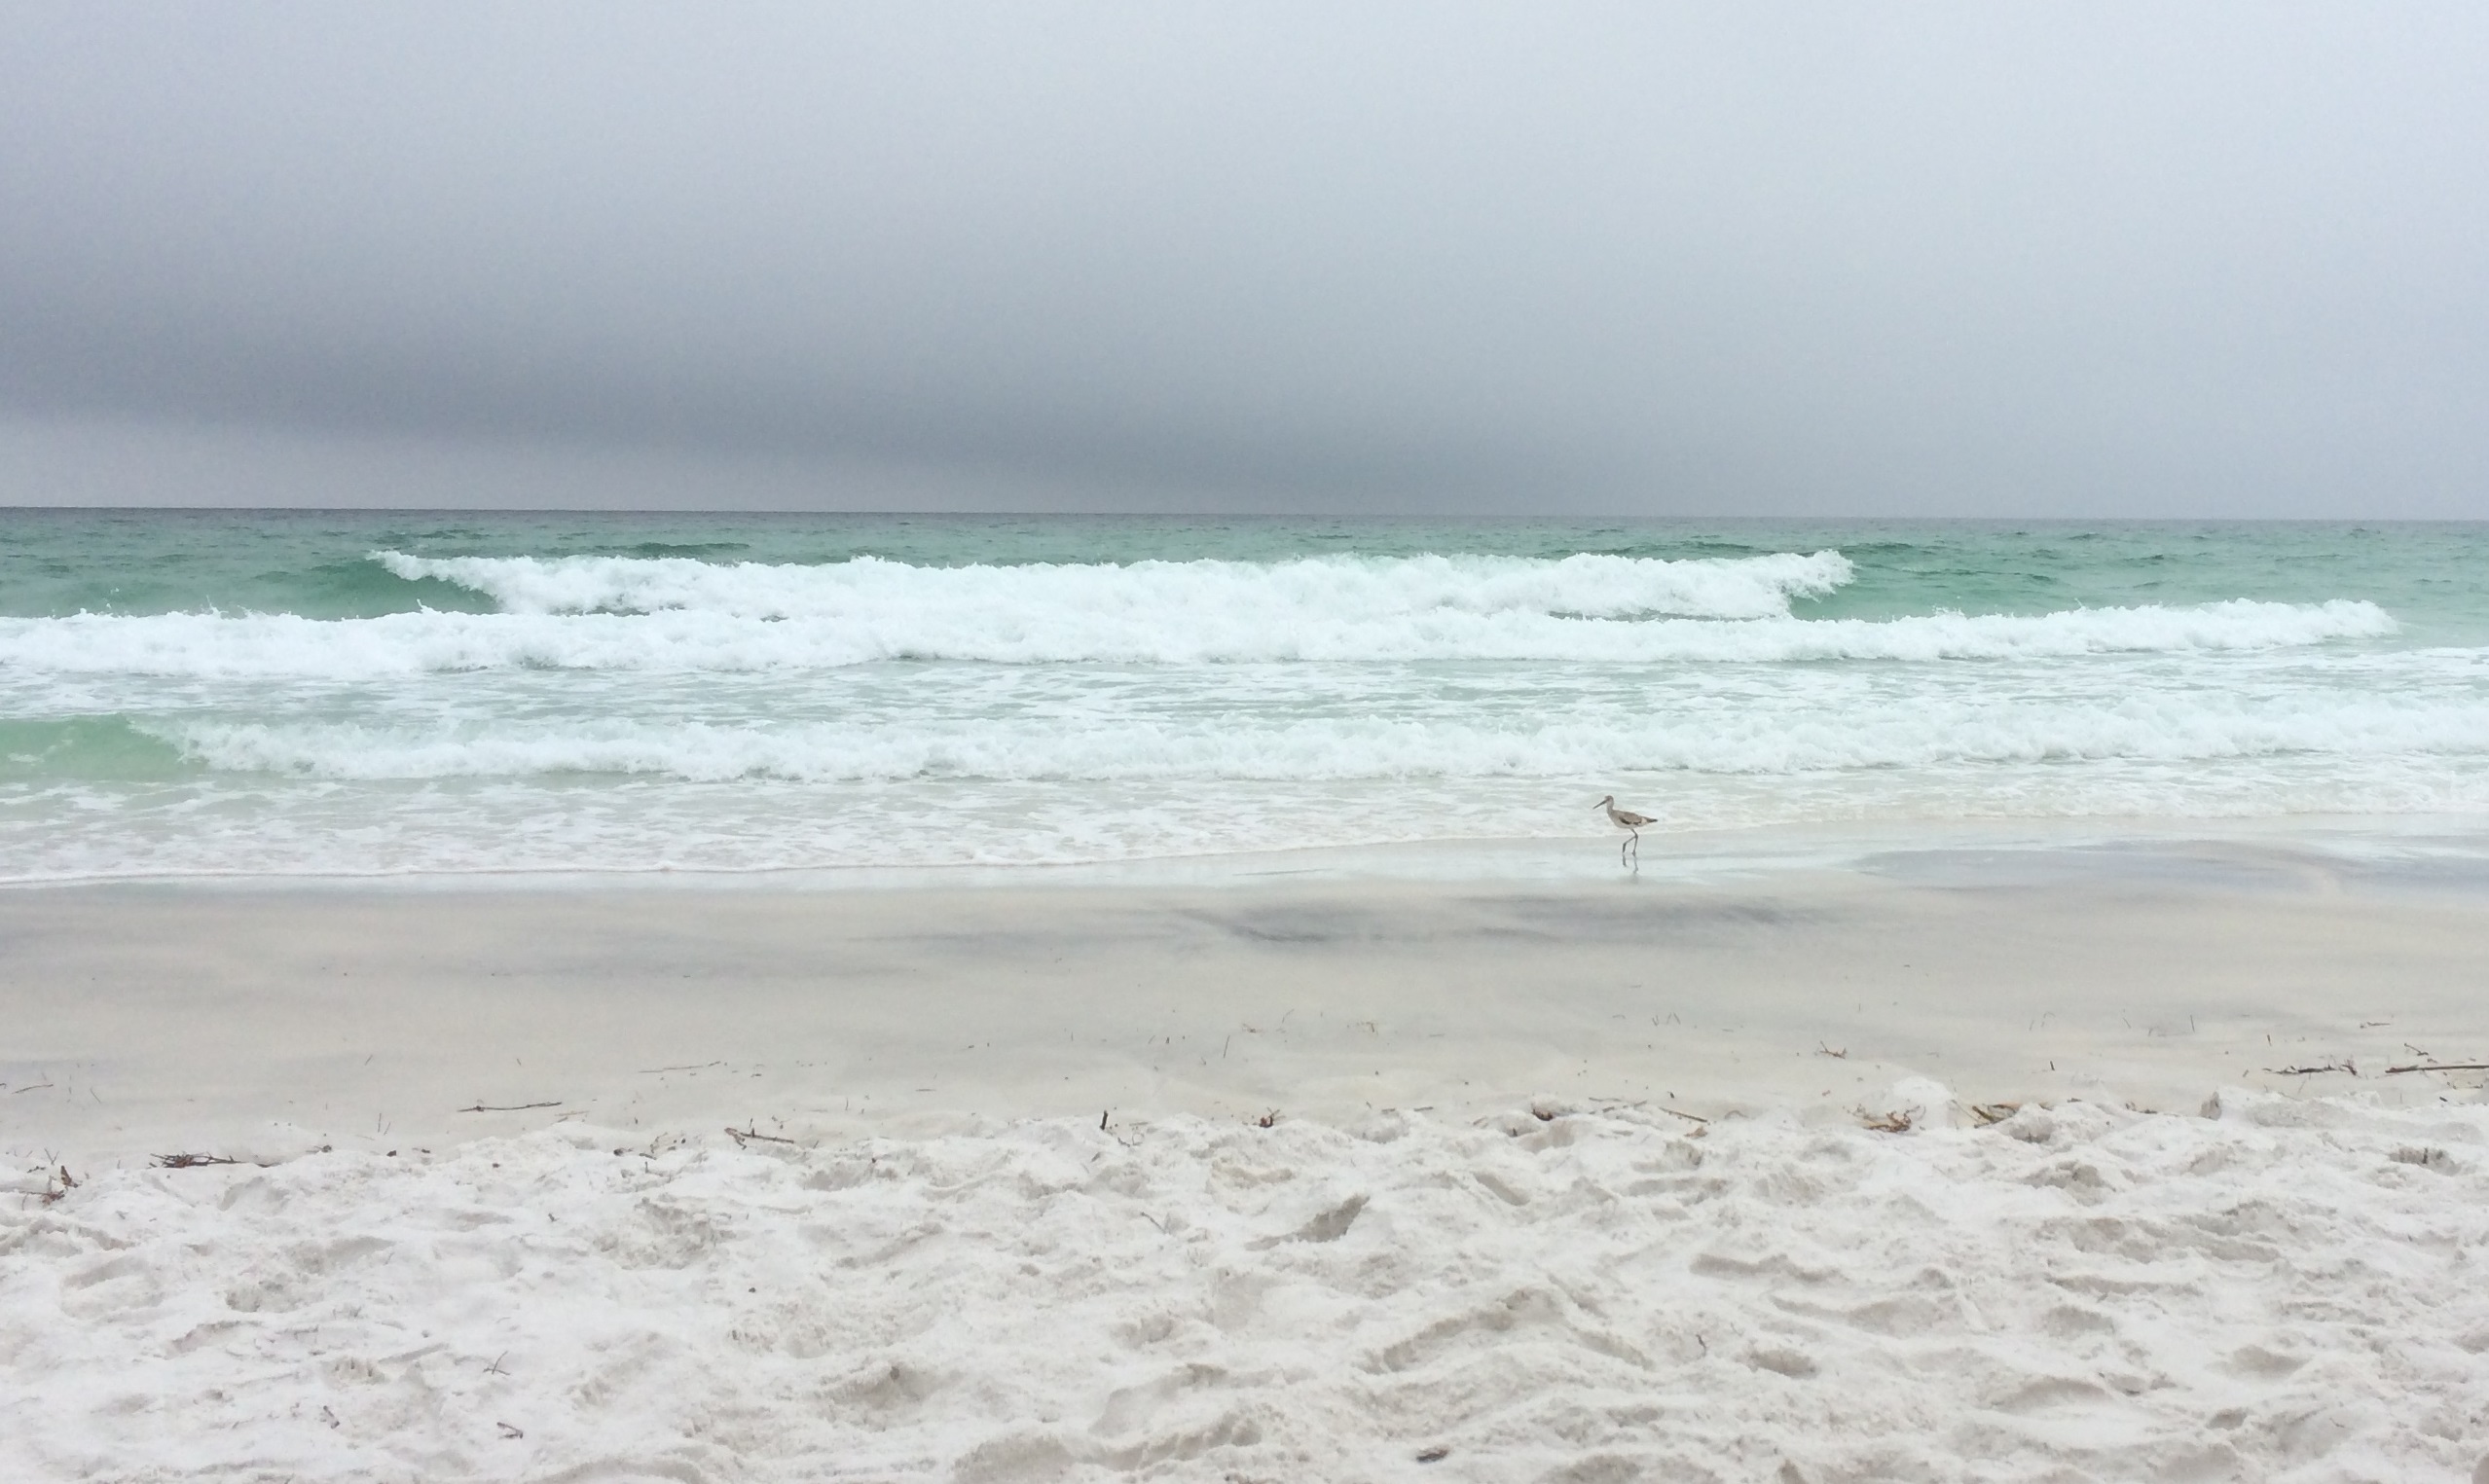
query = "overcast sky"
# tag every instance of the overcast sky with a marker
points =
(2112, 259)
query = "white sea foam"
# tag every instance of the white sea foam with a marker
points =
(1763, 740)
(2288, 1290)
(621, 712)
(1176, 633)
(1303, 590)
(239, 823)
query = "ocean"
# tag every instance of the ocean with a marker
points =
(407, 694)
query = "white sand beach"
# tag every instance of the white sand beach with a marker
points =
(1227, 744)
(2008, 1166)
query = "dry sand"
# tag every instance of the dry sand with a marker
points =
(1006, 1206)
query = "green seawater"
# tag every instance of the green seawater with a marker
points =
(2432, 576)
(431, 692)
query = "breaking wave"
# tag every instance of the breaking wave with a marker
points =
(1312, 589)
(684, 640)
(1888, 736)
(306, 698)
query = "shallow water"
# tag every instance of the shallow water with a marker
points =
(321, 693)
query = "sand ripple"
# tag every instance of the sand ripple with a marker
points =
(2288, 1290)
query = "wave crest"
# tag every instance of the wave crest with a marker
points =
(274, 645)
(1890, 735)
(1304, 589)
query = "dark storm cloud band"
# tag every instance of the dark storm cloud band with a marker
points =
(1622, 258)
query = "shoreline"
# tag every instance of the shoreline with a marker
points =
(272, 1020)
(2390, 852)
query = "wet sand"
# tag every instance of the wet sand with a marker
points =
(263, 1021)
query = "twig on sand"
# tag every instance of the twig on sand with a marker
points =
(2438, 1067)
(1679, 1113)
(2344, 1065)
(752, 1134)
(508, 1107)
(192, 1161)
(1822, 1050)
(1994, 1112)
(1897, 1121)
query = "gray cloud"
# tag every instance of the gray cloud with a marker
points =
(2227, 259)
